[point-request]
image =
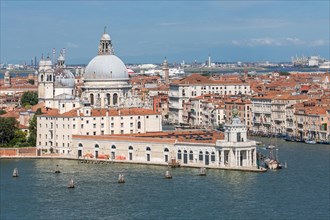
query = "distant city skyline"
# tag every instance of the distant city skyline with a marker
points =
(148, 31)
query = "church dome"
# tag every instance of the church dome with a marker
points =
(106, 67)
(105, 36)
(64, 78)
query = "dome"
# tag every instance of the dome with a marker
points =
(105, 36)
(106, 67)
(64, 78)
(60, 58)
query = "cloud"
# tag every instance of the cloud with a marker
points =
(72, 45)
(319, 42)
(268, 41)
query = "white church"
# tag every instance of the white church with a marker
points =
(104, 118)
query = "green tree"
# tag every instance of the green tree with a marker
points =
(31, 81)
(2, 112)
(8, 126)
(19, 138)
(33, 128)
(29, 98)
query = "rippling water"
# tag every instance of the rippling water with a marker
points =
(299, 192)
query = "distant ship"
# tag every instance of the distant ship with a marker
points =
(325, 65)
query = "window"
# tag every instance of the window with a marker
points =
(131, 124)
(102, 132)
(179, 155)
(80, 145)
(130, 148)
(102, 125)
(94, 132)
(139, 125)
(121, 125)
(82, 126)
(112, 132)
(94, 125)
(147, 116)
(87, 122)
(122, 131)
(201, 155)
(213, 157)
(108, 99)
(87, 133)
(96, 146)
(191, 155)
(115, 99)
(74, 126)
(112, 125)
(91, 99)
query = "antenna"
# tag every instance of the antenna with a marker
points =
(63, 52)
(54, 52)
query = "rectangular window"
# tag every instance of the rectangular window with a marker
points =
(121, 125)
(131, 124)
(112, 132)
(82, 126)
(94, 132)
(94, 125)
(87, 133)
(87, 122)
(122, 131)
(74, 126)
(102, 132)
(102, 125)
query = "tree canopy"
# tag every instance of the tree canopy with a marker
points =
(8, 126)
(29, 98)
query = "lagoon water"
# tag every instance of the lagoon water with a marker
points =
(299, 192)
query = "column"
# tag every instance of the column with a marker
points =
(217, 157)
(222, 155)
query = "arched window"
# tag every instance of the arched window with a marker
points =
(108, 98)
(113, 147)
(115, 99)
(201, 155)
(191, 155)
(96, 146)
(139, 125)
(130, 148)
(213, 157)
(92, 99)
(179, 155)
(80, 145)
(50, 77)
(42, 78)
(148, 149)
(166, 149)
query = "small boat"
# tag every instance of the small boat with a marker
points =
(168, 175)
(310, 141)
(15, 172)
(202, 171)
(71, 184)
(121, 178)
(57, 170)
(272, 161)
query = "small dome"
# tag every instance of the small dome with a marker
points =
(64, 78)
(105, 36)
(60, 58)
(106, 67)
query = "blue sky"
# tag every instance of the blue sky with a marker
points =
(148, 31)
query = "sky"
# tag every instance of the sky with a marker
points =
(148, 31)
